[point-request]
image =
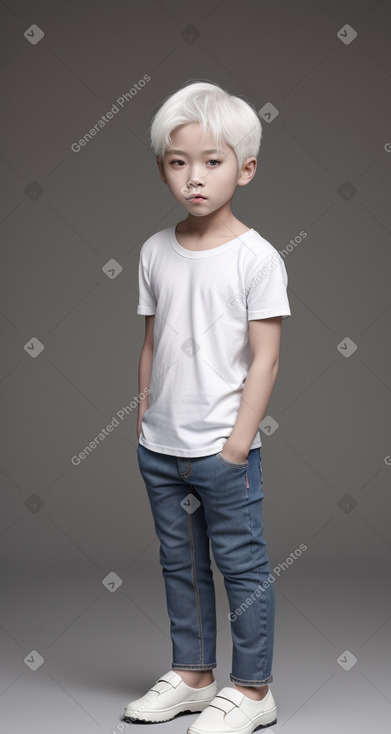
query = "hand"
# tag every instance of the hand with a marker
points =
(231, 454)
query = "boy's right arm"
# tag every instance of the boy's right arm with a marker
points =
(144, 369)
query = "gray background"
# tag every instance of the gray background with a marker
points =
(323, 169)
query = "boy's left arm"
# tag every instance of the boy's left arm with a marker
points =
(265, 338)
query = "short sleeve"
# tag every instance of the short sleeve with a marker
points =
(267, 289)
(147, 301)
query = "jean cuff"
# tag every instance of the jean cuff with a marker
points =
(247, 682)
(179, 666)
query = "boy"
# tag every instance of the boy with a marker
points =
(213, 292)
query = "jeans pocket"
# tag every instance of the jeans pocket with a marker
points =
(223, 460)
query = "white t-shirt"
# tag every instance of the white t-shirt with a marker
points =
(202, 301)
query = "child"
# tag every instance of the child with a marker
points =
(213, 292)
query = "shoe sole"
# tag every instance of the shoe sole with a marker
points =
(191, 707)
(194, 730)
(265, 726)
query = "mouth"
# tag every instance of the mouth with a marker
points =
(196, 197)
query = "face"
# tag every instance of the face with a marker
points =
(200, 169)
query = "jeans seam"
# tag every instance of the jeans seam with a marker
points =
(189, 666)
(196, 590)
(264, 648)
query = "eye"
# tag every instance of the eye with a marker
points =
(212, 160)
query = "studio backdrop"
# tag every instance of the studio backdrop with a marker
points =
(83, 620)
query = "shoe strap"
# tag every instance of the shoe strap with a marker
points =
(167, 681)
(227, 699)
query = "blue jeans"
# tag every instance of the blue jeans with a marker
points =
(202, 499)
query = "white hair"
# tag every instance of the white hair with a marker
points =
(226, 117)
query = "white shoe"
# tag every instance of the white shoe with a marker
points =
(167, 698)
(231, 712)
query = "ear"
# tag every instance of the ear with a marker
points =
(247, 173)
(161, 170)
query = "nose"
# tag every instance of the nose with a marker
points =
(195, 177)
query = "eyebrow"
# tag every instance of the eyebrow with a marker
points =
(182, 152)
